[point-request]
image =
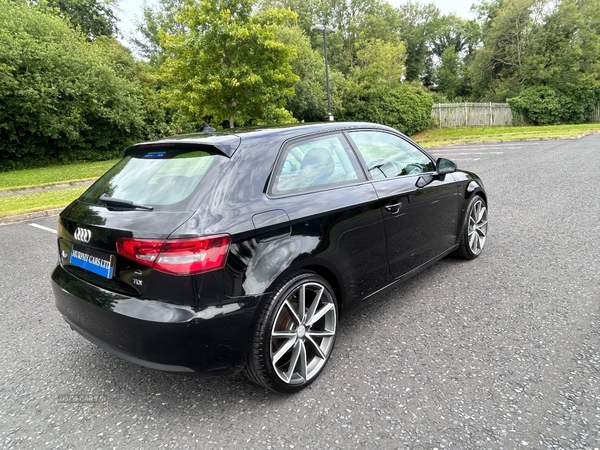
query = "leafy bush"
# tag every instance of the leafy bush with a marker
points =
(539, 105)
(61, 98)
(406, 107)
(543, 105)
(580, 101)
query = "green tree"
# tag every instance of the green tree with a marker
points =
(355, 21)
(497, 68)
(61, 97)
(379, 63)
(542, 54)
(418, 26)
(449, 75)
(375, 91)
(226, 64)
(160, 16)
(92, 17)
(308, 101)
(565, 55)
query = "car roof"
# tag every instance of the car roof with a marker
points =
(228, 141)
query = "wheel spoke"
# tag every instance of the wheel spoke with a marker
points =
(302, 303)
(481, 214)
(302, 361)
(298, 358)
(473, 237)
(317, 348)
(284, 349)
(472, 223)
(320, 333)
(285, 334)
(293, 313)
(320, 313)
(314, 306)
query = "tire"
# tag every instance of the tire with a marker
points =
(474, 230)
(292, 343)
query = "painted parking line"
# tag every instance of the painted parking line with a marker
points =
(42, 227)
(478, 147)
(475, 153)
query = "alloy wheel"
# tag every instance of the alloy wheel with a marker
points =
(478, 222)
(303, 333)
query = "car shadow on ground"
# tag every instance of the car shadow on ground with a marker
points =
(127, 386)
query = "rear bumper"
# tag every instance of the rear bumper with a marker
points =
(213, 339)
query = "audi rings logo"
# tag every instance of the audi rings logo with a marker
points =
(82, 234)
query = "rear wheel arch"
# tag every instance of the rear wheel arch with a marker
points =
(319, 269)
(333, 281)
(295, 332)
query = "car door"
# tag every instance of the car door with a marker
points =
(419, 209)
(333, 211)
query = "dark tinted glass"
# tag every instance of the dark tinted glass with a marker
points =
(316, 163)
(156, 178)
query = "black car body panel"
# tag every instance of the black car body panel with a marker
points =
(362, 236)
(210, 337)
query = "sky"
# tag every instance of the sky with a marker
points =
(129, 9)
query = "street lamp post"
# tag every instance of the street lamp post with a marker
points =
(325, 29)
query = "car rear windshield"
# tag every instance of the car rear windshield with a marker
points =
(162, 178)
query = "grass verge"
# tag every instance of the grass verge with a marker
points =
(21, 179)
(47, 176)
(449, 136)
(40, 201)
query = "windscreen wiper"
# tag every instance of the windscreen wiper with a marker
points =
(124, 204)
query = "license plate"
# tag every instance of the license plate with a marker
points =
(94, 261)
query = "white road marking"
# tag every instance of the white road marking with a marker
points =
(41, 227)
(477, 153)
(479, 147)
(476, 148)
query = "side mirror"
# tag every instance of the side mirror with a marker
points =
(445, 166)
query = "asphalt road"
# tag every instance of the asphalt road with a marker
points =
(501, 352)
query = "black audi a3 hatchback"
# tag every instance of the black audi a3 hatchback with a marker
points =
(238, 251)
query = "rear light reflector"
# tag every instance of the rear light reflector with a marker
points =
(178, 256)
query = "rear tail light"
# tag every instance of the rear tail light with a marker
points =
(178, 256)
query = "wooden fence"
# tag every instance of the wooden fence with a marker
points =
(596, 114)
(446, 115)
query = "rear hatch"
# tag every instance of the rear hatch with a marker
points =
(137, 204)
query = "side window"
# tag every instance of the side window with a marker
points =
(389, 156)
(320, 162)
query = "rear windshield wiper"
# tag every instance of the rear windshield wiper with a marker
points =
(125, 204)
